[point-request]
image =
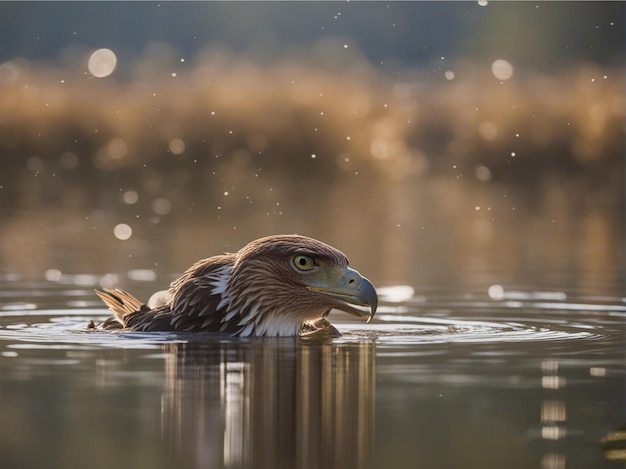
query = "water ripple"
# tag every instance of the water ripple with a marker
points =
(403, 318)
(65, 330)
(423, 330)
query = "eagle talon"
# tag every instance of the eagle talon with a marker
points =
(320, 328)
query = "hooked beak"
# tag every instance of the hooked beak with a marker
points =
(348, 286)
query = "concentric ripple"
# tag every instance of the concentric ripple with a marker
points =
(403, 318)
(405, 330)
(67, 329)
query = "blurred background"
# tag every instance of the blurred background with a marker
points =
(430, 141)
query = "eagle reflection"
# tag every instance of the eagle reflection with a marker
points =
(270, 403)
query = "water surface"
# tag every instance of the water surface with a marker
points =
(480, 377)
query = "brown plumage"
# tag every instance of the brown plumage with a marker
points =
(275, 286)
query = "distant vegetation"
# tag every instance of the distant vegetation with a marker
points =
(164, 161)
(230, 117)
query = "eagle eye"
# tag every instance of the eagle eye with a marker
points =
(303, 263)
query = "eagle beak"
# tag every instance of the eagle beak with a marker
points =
(349, 286)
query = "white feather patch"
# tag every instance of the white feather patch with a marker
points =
(229, 315)
(223, 302)
(220, 280)
(272, 326)
(247, 330)
(250, 316)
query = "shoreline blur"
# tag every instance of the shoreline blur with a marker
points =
(181, 161)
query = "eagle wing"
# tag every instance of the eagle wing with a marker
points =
(196, 298)
(190, 304)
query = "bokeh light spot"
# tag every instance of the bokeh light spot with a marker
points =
(161, 206)
(483, 173)
(102, 63)
(502, 69)
(54, 275)
(177, 146)
(496, 292)
(488, 130)
(142, 275)
(117, 149)
(122, 231)
(130, 197)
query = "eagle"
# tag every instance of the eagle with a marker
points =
(282, 285)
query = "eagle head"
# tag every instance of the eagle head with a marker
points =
(281, 285)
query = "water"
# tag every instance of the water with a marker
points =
(472, 377)
(499, 342)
